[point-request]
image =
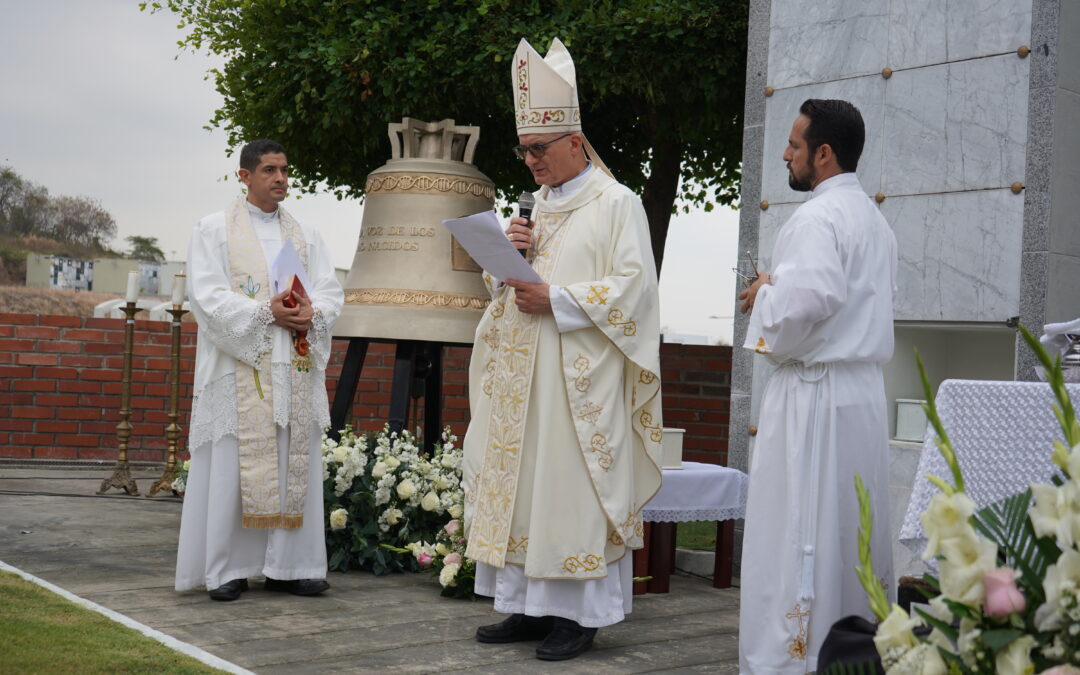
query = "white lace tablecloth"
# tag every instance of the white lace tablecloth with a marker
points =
(1003, 434)
(698, 492)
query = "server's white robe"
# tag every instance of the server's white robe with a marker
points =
(213, 547)
(826, 322)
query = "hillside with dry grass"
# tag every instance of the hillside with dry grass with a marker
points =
(23, 300)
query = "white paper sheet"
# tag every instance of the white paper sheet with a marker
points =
(287, 263)
(483, 237)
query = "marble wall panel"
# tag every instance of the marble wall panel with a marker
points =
(917, 31)
(956, 126)
(959, 255)
(914, 136)
(986, 131)
(826, 39)
(981, 27)
(1065, 205)
(1062, 298)
(771, 221)
(1069, 46)
(866, 93)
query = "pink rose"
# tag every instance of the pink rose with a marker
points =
(452, 558)
(1002, 596)
(424, 559)
(452, 527)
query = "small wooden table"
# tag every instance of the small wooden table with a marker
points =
(696, 492)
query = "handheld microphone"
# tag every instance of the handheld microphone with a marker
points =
(526, 202)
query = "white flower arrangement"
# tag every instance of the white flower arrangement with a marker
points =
(1015, 618)
(179, 484)
(385, 501)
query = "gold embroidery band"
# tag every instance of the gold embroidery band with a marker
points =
(423, 183)
(267, 522)
(588, 563)
(629, 326)
(400, 297)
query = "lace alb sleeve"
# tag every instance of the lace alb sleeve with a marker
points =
(241, 327)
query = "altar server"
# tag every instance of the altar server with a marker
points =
(254, 502)
(824, 318)
(562, 450)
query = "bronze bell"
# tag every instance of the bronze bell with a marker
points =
(410, 279)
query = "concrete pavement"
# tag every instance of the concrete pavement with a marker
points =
(120, 552)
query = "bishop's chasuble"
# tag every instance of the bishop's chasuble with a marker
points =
(563, 447)
(826, 323)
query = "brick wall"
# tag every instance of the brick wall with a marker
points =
(60, 389)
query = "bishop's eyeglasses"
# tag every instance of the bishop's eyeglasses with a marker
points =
(537, 150)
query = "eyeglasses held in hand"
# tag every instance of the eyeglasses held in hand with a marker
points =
(537, 150)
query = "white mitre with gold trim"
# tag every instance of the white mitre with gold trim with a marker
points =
(545, 94)
(545, 90)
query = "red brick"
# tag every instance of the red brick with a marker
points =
(16, 425)
(107, 453)
(31, 439)
(85, 335)
(150, 350)
(59, 346)
(77, 441)
(59, 320)
(26, 345)
(159, 364)
(104, 347)
(147, 376)
(28, 359)
(57, 373)
(100, 401)
(80, 387)
(148, 403)
(31, 413)
(10, 452)
(55, 453)
(57, 400)
(80, 361)
(107, 429)
(6, 357)
(21, 319)
(106, 324)
(7, 331)
(54, 427)
(102, 375)
(78, 414)
(38, 332)
(34, 385)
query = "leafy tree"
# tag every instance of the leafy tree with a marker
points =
(80, 220)
(145, 248)
(661, 83)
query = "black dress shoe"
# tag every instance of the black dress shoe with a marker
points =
(297, 586)
(568, 640)
(230, 590)
(515, 628)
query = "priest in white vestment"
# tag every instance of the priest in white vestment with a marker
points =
(824, 317)
(562, 448)
(254, 502)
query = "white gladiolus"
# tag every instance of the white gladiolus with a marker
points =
(947, 516)
(1056, 511)
(1062, 579)
(966, 561)
(338, 518)
(1015, 659)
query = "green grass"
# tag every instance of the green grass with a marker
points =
(699, 536)
(44, 633)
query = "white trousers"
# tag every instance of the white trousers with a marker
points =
(215, 549)
(593, 603)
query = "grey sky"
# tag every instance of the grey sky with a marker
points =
(98, 102)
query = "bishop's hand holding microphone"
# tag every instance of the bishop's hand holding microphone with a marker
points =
(520, 229)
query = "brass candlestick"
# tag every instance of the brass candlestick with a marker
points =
(121, 475)
(172, 432)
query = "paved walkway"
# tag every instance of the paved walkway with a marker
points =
(119, 552)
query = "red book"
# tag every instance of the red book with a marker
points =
(295, 286)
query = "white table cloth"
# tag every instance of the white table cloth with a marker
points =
(698, 492)
(1003, 434)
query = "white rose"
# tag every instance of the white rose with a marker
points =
(406, 489)
(187, 465)
(947, 516)
(393, 462)
(338, 518)
(341, 454)
(1016, 658)
(442, 482)
(1061, 577)
(379, 470)
(442, 549)
(446, 576)
(393, 516)
(430, 501)
(448, 461)
(455, 511)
